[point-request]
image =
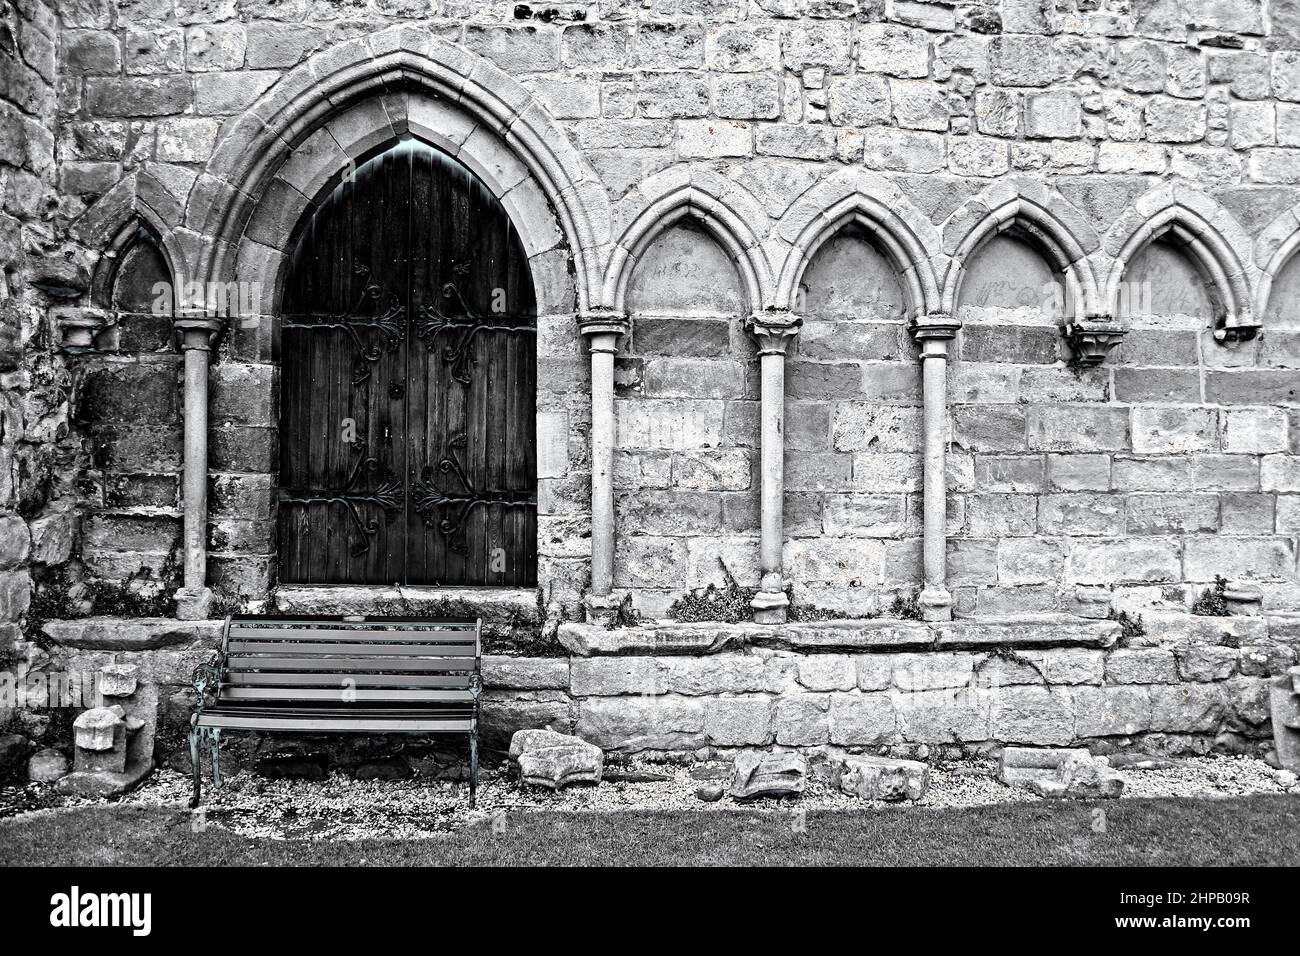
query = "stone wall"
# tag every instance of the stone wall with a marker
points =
(1004, 161)
(1189, 685)
(37, 467)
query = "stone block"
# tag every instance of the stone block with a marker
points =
(1257, 558)
(1081, 514)
(768, 775)
(802, 720)
(1018, 766)
(118, 680)
(1078, 472)
(95, 729)
(1141, 666)
(859, 426)
(989, 428)
(1029, 561)
(669, 722)
(1175, 430)
(1111, 711)
(1188, 708)
(738, 721)
(525, 673)
(1125, 560)
(1078, 428)
(1032, 714)
(862, 719)
(883, 778)
(1171, 513)
(1206, 662)
(825, 672)
(943, 716)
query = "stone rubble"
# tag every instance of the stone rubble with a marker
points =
(545, 758)
(883, 778)
(758, 774)
(1081, 777)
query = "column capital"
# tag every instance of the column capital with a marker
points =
(773, 329)
(940, 326)
(195, 329)
(1092, 338)
(602, 320)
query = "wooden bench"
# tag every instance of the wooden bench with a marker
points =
(344, 676)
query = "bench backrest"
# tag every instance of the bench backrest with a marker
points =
(382, 662)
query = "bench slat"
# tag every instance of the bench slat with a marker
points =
(253, 678)
(325, 647)
(415, 724)
(345, 664)
(447, 635)
(336, 694)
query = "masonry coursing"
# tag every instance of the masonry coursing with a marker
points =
(1069, 126)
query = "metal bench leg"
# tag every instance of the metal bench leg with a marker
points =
(194, 766)
(473, 766)
(216, 756)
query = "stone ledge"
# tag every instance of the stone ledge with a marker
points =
(130, 634)
(865, 636)
(493, 605)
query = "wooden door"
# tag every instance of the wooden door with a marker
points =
(407, 387)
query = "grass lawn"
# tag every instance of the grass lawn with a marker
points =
(1251, 831)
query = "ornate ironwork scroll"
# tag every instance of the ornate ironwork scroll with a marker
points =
(390, 324)
(454, 315)
(389, 496)
(448, 511)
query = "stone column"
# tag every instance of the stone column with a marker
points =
(195, 334)
(602, 329)
(773, 331)
(934, 332)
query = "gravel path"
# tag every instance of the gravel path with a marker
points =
(342, 808)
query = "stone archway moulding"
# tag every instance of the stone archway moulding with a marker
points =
(733, 217)
(1207, 232)
(1055, 228)
(1275, 247)
(909, 239)
(242, 170)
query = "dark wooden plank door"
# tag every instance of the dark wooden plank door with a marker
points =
(408, 353)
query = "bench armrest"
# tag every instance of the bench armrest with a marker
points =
(207, 678)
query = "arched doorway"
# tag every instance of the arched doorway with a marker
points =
(407, 384)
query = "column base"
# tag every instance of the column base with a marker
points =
(770, 607)
(193, 604)
(936, 604)
(601, 608)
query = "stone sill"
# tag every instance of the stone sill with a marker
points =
(131, 634)
(493, 605)
(865, 636)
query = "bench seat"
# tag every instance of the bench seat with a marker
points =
(314, 675)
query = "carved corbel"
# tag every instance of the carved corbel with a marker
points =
(78, 326)
(1233, 329)
(1092, 339)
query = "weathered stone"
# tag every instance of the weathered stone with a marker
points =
(884, 778)
(759, 774)
(1081, 777)
(1018, 766)
(118, 680)
(47, 766)
(96, 729)
(552, 760)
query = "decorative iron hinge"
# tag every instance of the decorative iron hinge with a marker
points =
(431, 499)
(389, 496)
(390, 324)
(458, 316)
